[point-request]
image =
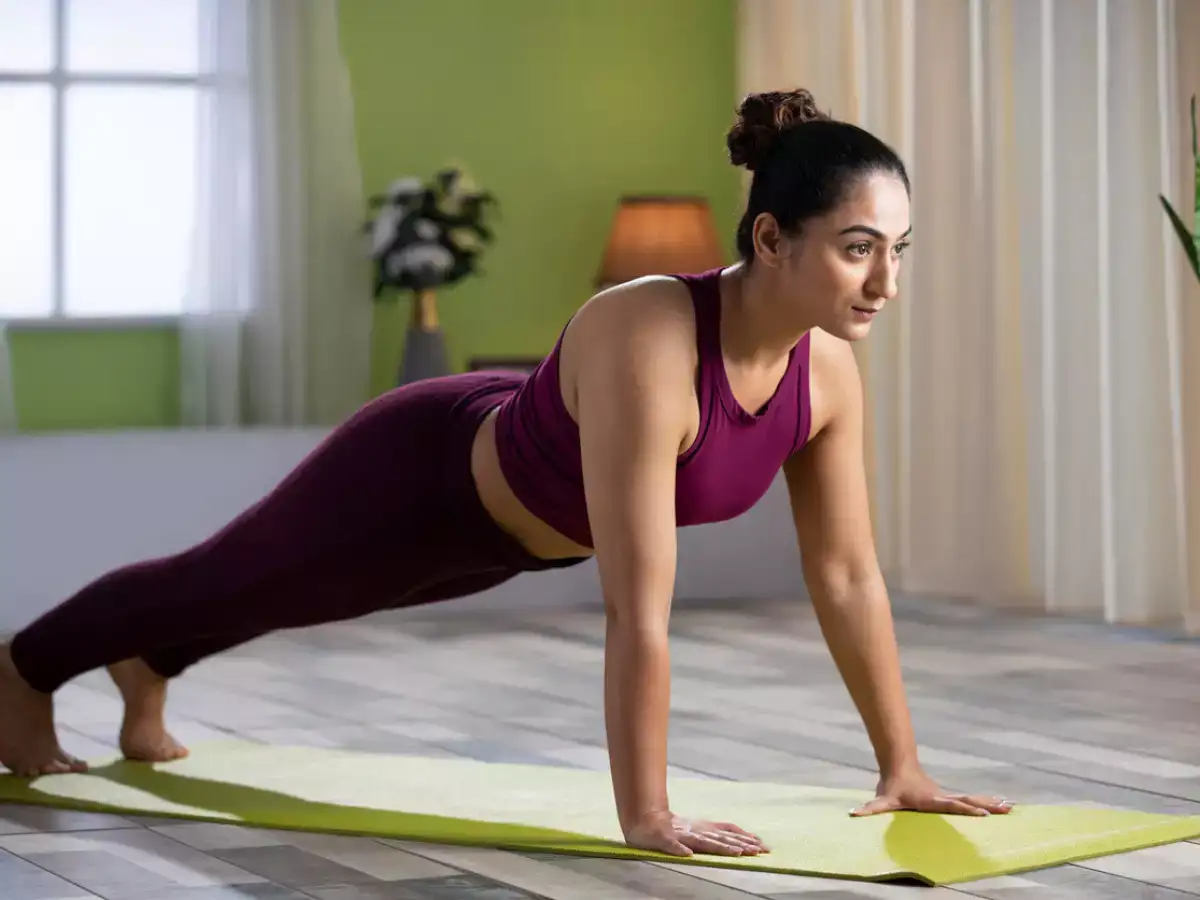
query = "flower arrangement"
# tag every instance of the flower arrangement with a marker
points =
(1190, 237)
(427, 235)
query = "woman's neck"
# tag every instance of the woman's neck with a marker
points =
(752, 329)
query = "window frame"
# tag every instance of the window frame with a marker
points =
(59, 79)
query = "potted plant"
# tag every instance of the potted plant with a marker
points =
(425, 236)
(1190, 237)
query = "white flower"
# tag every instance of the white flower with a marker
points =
(404, 189)
(466, 239)
(425, 230)
(427, 258)
(383, 231)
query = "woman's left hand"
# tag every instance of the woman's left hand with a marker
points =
(916, 791)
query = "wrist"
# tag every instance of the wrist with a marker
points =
(899, 766)
(648, 817)
(638, 807)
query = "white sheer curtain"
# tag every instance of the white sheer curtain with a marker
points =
(8, 406)
(276, 330)
(1035, 421)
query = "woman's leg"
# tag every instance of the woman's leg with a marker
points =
(143, 682)
(383, 509)
(282, 563)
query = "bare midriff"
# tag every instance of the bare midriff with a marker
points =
(506, 509)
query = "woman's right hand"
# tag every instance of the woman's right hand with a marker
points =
(677, 836)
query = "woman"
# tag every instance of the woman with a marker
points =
(667, 402)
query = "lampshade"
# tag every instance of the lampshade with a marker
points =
(655, 235)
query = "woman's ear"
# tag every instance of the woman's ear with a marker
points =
(771, 245)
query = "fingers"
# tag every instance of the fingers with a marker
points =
(673, 847)
(749, 846)
(741, 836)
(954, 804)
(876, 806)
(723, 838)
(997, 805)
(681, 843)
(720, 843)
(736, 829)
(711, 843)
(684, 838)
(661, 841)
(968, 805)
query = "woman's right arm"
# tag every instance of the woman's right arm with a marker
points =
(633, 400)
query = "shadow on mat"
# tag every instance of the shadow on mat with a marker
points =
(915, 840)
(237, 804)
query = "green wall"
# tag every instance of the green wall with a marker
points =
(106, 378)
(556, 107)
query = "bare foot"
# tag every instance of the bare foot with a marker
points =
(28, 742)
(144, 735)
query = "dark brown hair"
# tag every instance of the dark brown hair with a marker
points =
(803, 159)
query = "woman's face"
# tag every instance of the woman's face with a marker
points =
(842, 268)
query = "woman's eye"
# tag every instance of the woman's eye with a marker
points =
(861, 249)
(900, 248)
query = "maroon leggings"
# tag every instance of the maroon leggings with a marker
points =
(383, 514)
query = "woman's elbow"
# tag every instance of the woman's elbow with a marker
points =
(843, 578)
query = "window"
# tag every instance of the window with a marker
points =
(99, 102)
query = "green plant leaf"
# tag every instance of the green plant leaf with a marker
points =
(1196, 182)
(1189, 242)
(1195, 149)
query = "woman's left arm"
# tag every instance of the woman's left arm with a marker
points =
(830, 507)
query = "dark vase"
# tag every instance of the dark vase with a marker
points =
(425, 354)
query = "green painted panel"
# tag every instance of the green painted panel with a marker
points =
(67, 380)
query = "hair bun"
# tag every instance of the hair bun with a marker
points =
(762, 118)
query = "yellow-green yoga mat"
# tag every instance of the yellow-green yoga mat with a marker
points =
(552, 809)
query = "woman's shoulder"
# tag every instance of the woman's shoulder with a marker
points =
(651, 314)
(641, 333)
(648, 302)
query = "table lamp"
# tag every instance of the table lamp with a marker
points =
(659, 235)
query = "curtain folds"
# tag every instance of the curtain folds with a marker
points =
(1034, 416)
(276, 328)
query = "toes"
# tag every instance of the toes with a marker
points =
(61, 764)
(65, 762)
(159, 753)
(35, 770)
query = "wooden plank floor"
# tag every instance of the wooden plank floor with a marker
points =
(1039, 710)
